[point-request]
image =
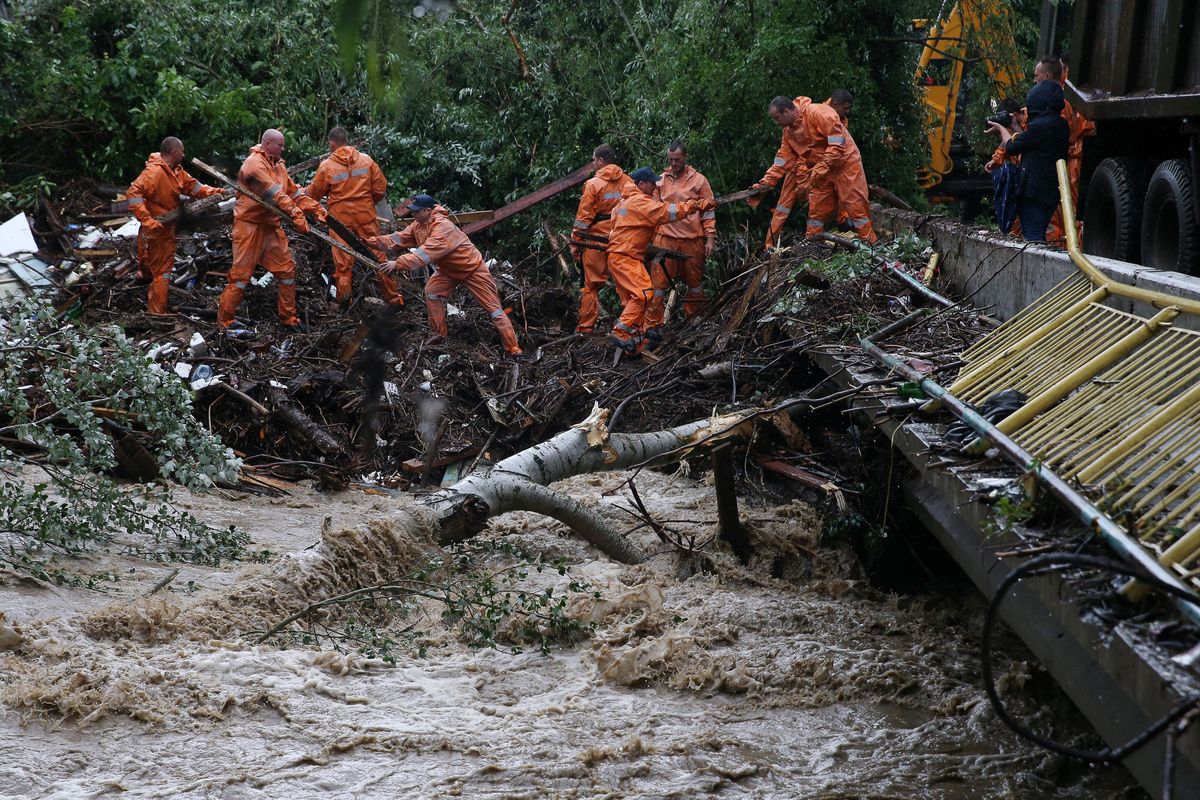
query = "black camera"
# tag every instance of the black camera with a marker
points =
(1004, 118)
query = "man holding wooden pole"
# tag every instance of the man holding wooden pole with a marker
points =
(353, 184)
(432, 240)
(601, 194)
(635, 219)
(693, 236)
(258, 236)
(152, 194)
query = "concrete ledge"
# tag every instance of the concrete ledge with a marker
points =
(1116, 675)
(1005, 275)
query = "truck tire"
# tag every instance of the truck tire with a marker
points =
(1170, 238)
(1112, 213)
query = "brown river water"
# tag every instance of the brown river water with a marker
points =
(723, 682)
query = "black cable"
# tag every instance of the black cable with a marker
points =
(1049, 563)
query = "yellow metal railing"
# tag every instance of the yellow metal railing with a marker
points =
(1114, 400)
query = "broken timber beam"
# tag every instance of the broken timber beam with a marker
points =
(532, 199)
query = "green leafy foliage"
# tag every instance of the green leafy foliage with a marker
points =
(61, 389)
(483, 590)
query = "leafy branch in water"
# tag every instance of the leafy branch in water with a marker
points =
(67, 395)
(489, 606)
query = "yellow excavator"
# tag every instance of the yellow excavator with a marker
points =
(969, 50)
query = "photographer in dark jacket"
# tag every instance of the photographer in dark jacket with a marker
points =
(1040, 145)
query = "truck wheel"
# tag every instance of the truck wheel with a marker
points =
(1170, 239)
(1112, 214)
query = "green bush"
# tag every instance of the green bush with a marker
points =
(59, 389)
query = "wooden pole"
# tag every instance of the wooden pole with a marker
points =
(730, 523)
(375, 265)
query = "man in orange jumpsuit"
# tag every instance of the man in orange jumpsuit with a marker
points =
(1078, 127)
(694, 236)
(813, 134)
(353, 184)
(433, 240)
(258, 237)
(155, 192)
(854, 201)
(594, 217)
(634, 222)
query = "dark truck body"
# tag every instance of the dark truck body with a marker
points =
(1135, 72)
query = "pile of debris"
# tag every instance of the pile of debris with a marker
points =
(361, 397)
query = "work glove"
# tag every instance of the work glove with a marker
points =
(299, 221)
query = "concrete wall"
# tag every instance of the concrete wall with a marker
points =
(1006, 275)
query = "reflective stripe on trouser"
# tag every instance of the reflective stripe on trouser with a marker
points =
(482, 286)
(156, 257)
(854, 202)
(631, 279)
(822, 206)
(791, 194)
(254, 245)
(691, 272)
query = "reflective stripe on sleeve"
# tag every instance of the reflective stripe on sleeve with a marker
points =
(672, 212)
(272, 190)
(858, 222)
(498, 313)
(240, 284)
(297, 193)
(581, 224)
(421, 254)
(195, 187)
(709, 215)
(815, 223)
(779, 162)
(782, 210)
(836, 140)
(437, 298)
(136, 201)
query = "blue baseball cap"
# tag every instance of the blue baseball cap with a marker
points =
(421, 201)
(645, 174)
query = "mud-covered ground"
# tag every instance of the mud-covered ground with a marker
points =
(721, 680)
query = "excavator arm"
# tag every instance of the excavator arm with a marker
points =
(975, 35)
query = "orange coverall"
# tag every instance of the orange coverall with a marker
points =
(634, 221)
(258, 236)
(440, 244)
(816, 138)
(153, 193)
(601, 193)
(354, 183)
(1078, 127)
(686, 235)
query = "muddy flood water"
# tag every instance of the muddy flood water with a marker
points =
(724, 681)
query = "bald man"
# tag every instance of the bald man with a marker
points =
(258, 236)
(153, 193)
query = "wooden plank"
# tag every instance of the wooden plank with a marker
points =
(461, 218)
(532, 199)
